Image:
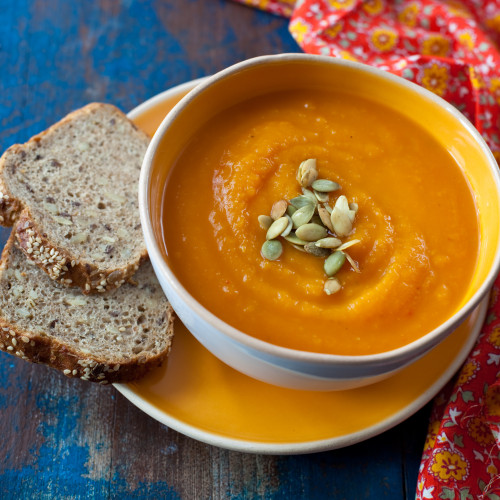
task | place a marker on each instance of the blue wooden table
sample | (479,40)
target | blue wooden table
(65,438)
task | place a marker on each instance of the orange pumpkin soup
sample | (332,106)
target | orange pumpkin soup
(416,223)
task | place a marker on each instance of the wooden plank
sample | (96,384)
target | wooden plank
(65,438)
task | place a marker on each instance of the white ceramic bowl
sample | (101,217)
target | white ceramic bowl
(271,363)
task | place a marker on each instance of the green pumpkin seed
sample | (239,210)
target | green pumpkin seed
(265,221)
(328,208)
(271,249)
(277,227)
(325,185)
(332,285)
(321,197)
(298,247)
(311,232)
(301,201)
(303,215)
(309,194)
(328,243)
(290,210)
(294,239)
(334,263)
(279,209)
(325,218)
(286,232)
(316,219)
(348,244)
(316,251)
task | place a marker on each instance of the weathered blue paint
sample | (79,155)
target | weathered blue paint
(62,438)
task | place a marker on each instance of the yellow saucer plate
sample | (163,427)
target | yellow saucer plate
(201,397)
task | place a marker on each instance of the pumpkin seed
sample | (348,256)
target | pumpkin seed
(334,263)
(290,210)
(276,228)
(294,239)
(307,172)
(302,201)
(348,244)
(354,207)
(311,232)
(316,251)
(328,208)
(309,194)
(271,249)
(325,186)
(316,219)
(321,197)
(286,232)
(303,215)
(352,262)
(325,218)
(328,243)
(298,248)
(341,221)
(265,221)
(279,209)
(351,214)
(332,285)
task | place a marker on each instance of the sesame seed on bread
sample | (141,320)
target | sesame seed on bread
(116,336)
(71,195)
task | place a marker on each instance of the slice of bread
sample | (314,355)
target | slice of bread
(113,337)
(71,194)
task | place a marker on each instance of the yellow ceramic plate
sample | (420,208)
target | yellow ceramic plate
(199,396)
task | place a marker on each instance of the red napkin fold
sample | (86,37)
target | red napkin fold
(452,48)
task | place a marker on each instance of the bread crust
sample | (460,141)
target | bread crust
(42,347)
(64,267)
(84,273)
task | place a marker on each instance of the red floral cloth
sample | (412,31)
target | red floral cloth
(451,47)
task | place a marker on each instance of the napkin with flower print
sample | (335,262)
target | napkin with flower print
(452,48)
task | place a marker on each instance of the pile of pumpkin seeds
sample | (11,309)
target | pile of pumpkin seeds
(310,224)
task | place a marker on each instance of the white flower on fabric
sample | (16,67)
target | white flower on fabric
(454,413)
(478,456)
(493,359)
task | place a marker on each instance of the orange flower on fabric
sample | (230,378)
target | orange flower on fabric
(298,29)
(493,400)
(466,38)
(492,470)
(447,465)
(341,4)
(432,433)
(494,337)
(384,39)
(457,8)
(495,89)
(333,31)
(409,14)
(494,23)
(373,7)
(495,290)
(436,45)
(467,373)
(480,431)
(475,79)
(344,54)
(436,79)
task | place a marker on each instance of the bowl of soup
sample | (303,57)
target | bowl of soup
(317,223)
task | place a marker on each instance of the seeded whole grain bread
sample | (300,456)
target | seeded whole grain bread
(71,195)
(113,337)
